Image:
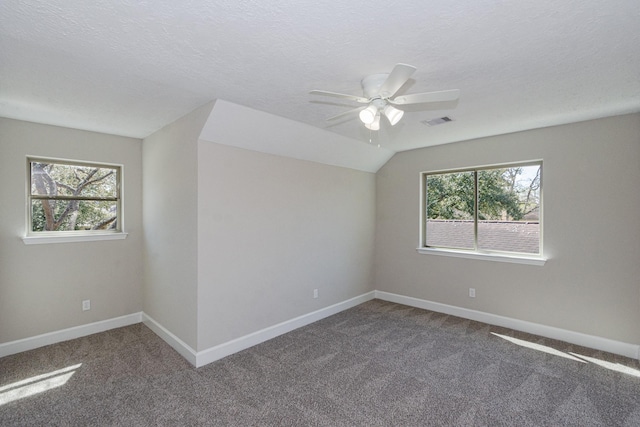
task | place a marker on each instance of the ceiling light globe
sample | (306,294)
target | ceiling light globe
(393,114)
(375,125)
(368,115)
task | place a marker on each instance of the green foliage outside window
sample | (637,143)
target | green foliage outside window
(71,197)
(507,200)
(502,194)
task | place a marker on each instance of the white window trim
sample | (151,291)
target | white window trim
(44,238)
(510,257)
(516,259)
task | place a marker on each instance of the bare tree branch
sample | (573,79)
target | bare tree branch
(103,225)
(86,183)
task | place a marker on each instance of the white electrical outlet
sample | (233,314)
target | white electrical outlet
(472,292)
(315,293)
(86,305)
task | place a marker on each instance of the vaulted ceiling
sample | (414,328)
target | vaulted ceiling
(129,67)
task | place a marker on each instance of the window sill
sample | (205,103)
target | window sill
(56,238)
(530,260)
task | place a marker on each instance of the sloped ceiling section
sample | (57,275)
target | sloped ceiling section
(243,127)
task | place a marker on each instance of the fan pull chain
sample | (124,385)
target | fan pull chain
(371,138)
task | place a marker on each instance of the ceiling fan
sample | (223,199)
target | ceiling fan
(378,91)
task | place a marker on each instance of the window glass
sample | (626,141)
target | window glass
(484,209)
(508,209)
(73,197)
(450,210)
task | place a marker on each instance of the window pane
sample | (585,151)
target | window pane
(450,210)
(67,188)
(509,209)
(68,215)
(54,179)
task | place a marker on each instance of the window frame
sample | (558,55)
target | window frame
(477,253)
(64,236)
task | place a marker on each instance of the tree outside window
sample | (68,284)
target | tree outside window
(73,196)
(488,209)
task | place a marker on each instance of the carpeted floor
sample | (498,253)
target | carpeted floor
(378,364)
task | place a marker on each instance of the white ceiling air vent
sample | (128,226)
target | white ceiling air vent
(437,121)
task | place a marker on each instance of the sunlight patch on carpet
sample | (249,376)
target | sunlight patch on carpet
(539,347)
(36,384)
(572,356)
(611,366)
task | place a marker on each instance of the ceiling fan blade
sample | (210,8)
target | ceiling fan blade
(421,98)
(397,78)
(346,113)
(340,95)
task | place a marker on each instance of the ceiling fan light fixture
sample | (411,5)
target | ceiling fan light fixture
(393,114)
(375,125)
(379,92)
(368,115)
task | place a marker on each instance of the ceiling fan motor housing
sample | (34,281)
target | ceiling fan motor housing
(370,116)
(371,86)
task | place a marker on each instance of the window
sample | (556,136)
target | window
(489,210)
(73,198)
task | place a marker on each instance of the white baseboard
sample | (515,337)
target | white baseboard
(18,346)
(225,349)
(195,358)
(178,345)
(212,354)
(597,343)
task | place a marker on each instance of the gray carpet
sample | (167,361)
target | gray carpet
(378,364)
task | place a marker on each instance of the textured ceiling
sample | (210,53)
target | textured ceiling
(129,67)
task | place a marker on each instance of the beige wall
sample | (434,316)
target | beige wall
(270,230)
(42,286)
(170,195)
(591,230)
(235,240)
